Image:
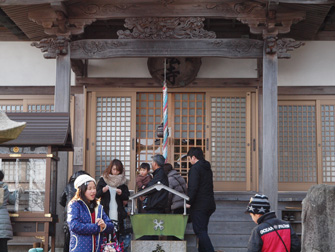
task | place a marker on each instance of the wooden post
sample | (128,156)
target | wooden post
(269,173)
(62,104)
(63,83)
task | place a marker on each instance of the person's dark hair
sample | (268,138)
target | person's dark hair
(77,174)
(167,168)
(197,152)
(80,194)
(117,163)
(145,166)
(2,175)
(159,160)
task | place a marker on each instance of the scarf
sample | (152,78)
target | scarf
(115,180)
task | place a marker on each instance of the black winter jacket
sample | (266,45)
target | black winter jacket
(158,200)
(264,238)
(105,199)
(200,187)
(68,193)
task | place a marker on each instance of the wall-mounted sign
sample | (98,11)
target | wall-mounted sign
(179,71)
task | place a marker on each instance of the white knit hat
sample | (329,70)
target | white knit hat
(82,179)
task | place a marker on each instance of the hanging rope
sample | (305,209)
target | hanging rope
(165,115)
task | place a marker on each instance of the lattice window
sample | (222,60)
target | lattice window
(189,127)
(148,117)
(10,169)
(41,108)
(297,159)
(228,138)
(29,174)
(328,143)
(113,133)
(11,108)
(38,104)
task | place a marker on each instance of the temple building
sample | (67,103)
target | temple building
(251,82)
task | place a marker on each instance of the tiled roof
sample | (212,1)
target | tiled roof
(43,129)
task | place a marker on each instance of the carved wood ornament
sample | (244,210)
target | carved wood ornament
(235,10)
(165,28)
(239,46)
(174,21)
(56,22)
(272,29)
(92,47)
(287,44)
(281,46)
(109,48)
(52,47)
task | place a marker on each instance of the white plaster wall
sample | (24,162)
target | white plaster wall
(137,68)
(118,68)
(24,65)
(228,68)
(311,65)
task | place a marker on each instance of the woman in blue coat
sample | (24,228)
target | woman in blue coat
(86,217)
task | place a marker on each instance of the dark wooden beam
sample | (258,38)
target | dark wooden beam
(325,35)
(154,8)
(28,2)
(35,90)
(305,1)
(78,67)
(229,48)
(6,22)
(162,3)
(306,90)
(148,82)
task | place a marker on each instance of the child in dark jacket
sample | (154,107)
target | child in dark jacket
(270,234)
(142,180)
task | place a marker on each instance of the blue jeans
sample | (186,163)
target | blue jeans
(200,219)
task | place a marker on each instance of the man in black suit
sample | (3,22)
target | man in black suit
(201,193)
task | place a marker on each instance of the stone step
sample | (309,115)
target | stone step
(229,227)
(218,249)
(220,227)
(220,242)
(231,204)
(230,215)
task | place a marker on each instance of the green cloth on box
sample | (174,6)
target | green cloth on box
(165,224)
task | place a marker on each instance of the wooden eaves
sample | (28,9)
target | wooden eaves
(43,129)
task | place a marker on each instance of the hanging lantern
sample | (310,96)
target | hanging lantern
(9,130)
(160,131)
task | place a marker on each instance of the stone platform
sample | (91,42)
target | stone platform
(158,246)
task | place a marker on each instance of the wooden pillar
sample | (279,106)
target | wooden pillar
(63,83)
(269,173)
(62,104)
